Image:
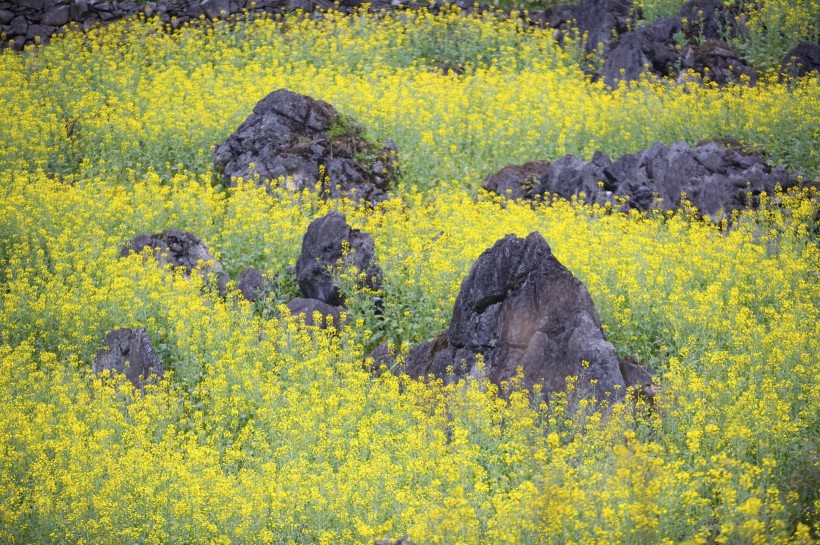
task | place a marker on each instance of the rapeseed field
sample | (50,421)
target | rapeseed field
(265,431)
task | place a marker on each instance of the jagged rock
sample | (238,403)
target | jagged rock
(715,61)
(129,351)
(322,249)
(515,180)
(802,59)
(180,249)
(651,48)
(717,179)
(252,284)
(600,20)
(290,137)
(306,308)
(520,307)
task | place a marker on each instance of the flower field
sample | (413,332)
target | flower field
(265,431)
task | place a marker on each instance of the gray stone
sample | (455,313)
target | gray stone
(57,16)
(322,250)
(306,308)
(18,26)
(130,352)
(39,31)
(179,249)
(520,307)
(290,137)
(217,9)
(6,17)
(252,284)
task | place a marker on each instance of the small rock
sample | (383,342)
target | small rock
(715,61)
(180,249)
(803,59)
(252,284)
(39,31)
(6,17)
(18,26)
(129,351)
(331,315)
(217,9)
(322,249)
(515,181)
(57,16)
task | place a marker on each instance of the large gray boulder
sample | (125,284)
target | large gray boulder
(179,249)
(520,307)
(323,249)
(129,351)
(296,141)
(716,179)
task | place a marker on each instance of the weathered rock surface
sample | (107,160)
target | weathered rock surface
(802,59)
(179,249)
(716,179)
(291,136)
(323,248)
(306,308)
(716,62)
(514,180)
(129,351)
(520,307)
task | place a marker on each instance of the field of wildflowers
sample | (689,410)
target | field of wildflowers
(266,432)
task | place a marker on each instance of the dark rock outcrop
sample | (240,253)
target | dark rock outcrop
(323,247)
(302,141)
(306,308)
(704,20)
(651,48)
(716,62)
(802,59)
(129,351)
(520,307)
(601,21)
(179,249)
(716,179)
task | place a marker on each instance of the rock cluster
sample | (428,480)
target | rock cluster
(129,351)
(179,249)
(520,307)
(302,141)
(716,179)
